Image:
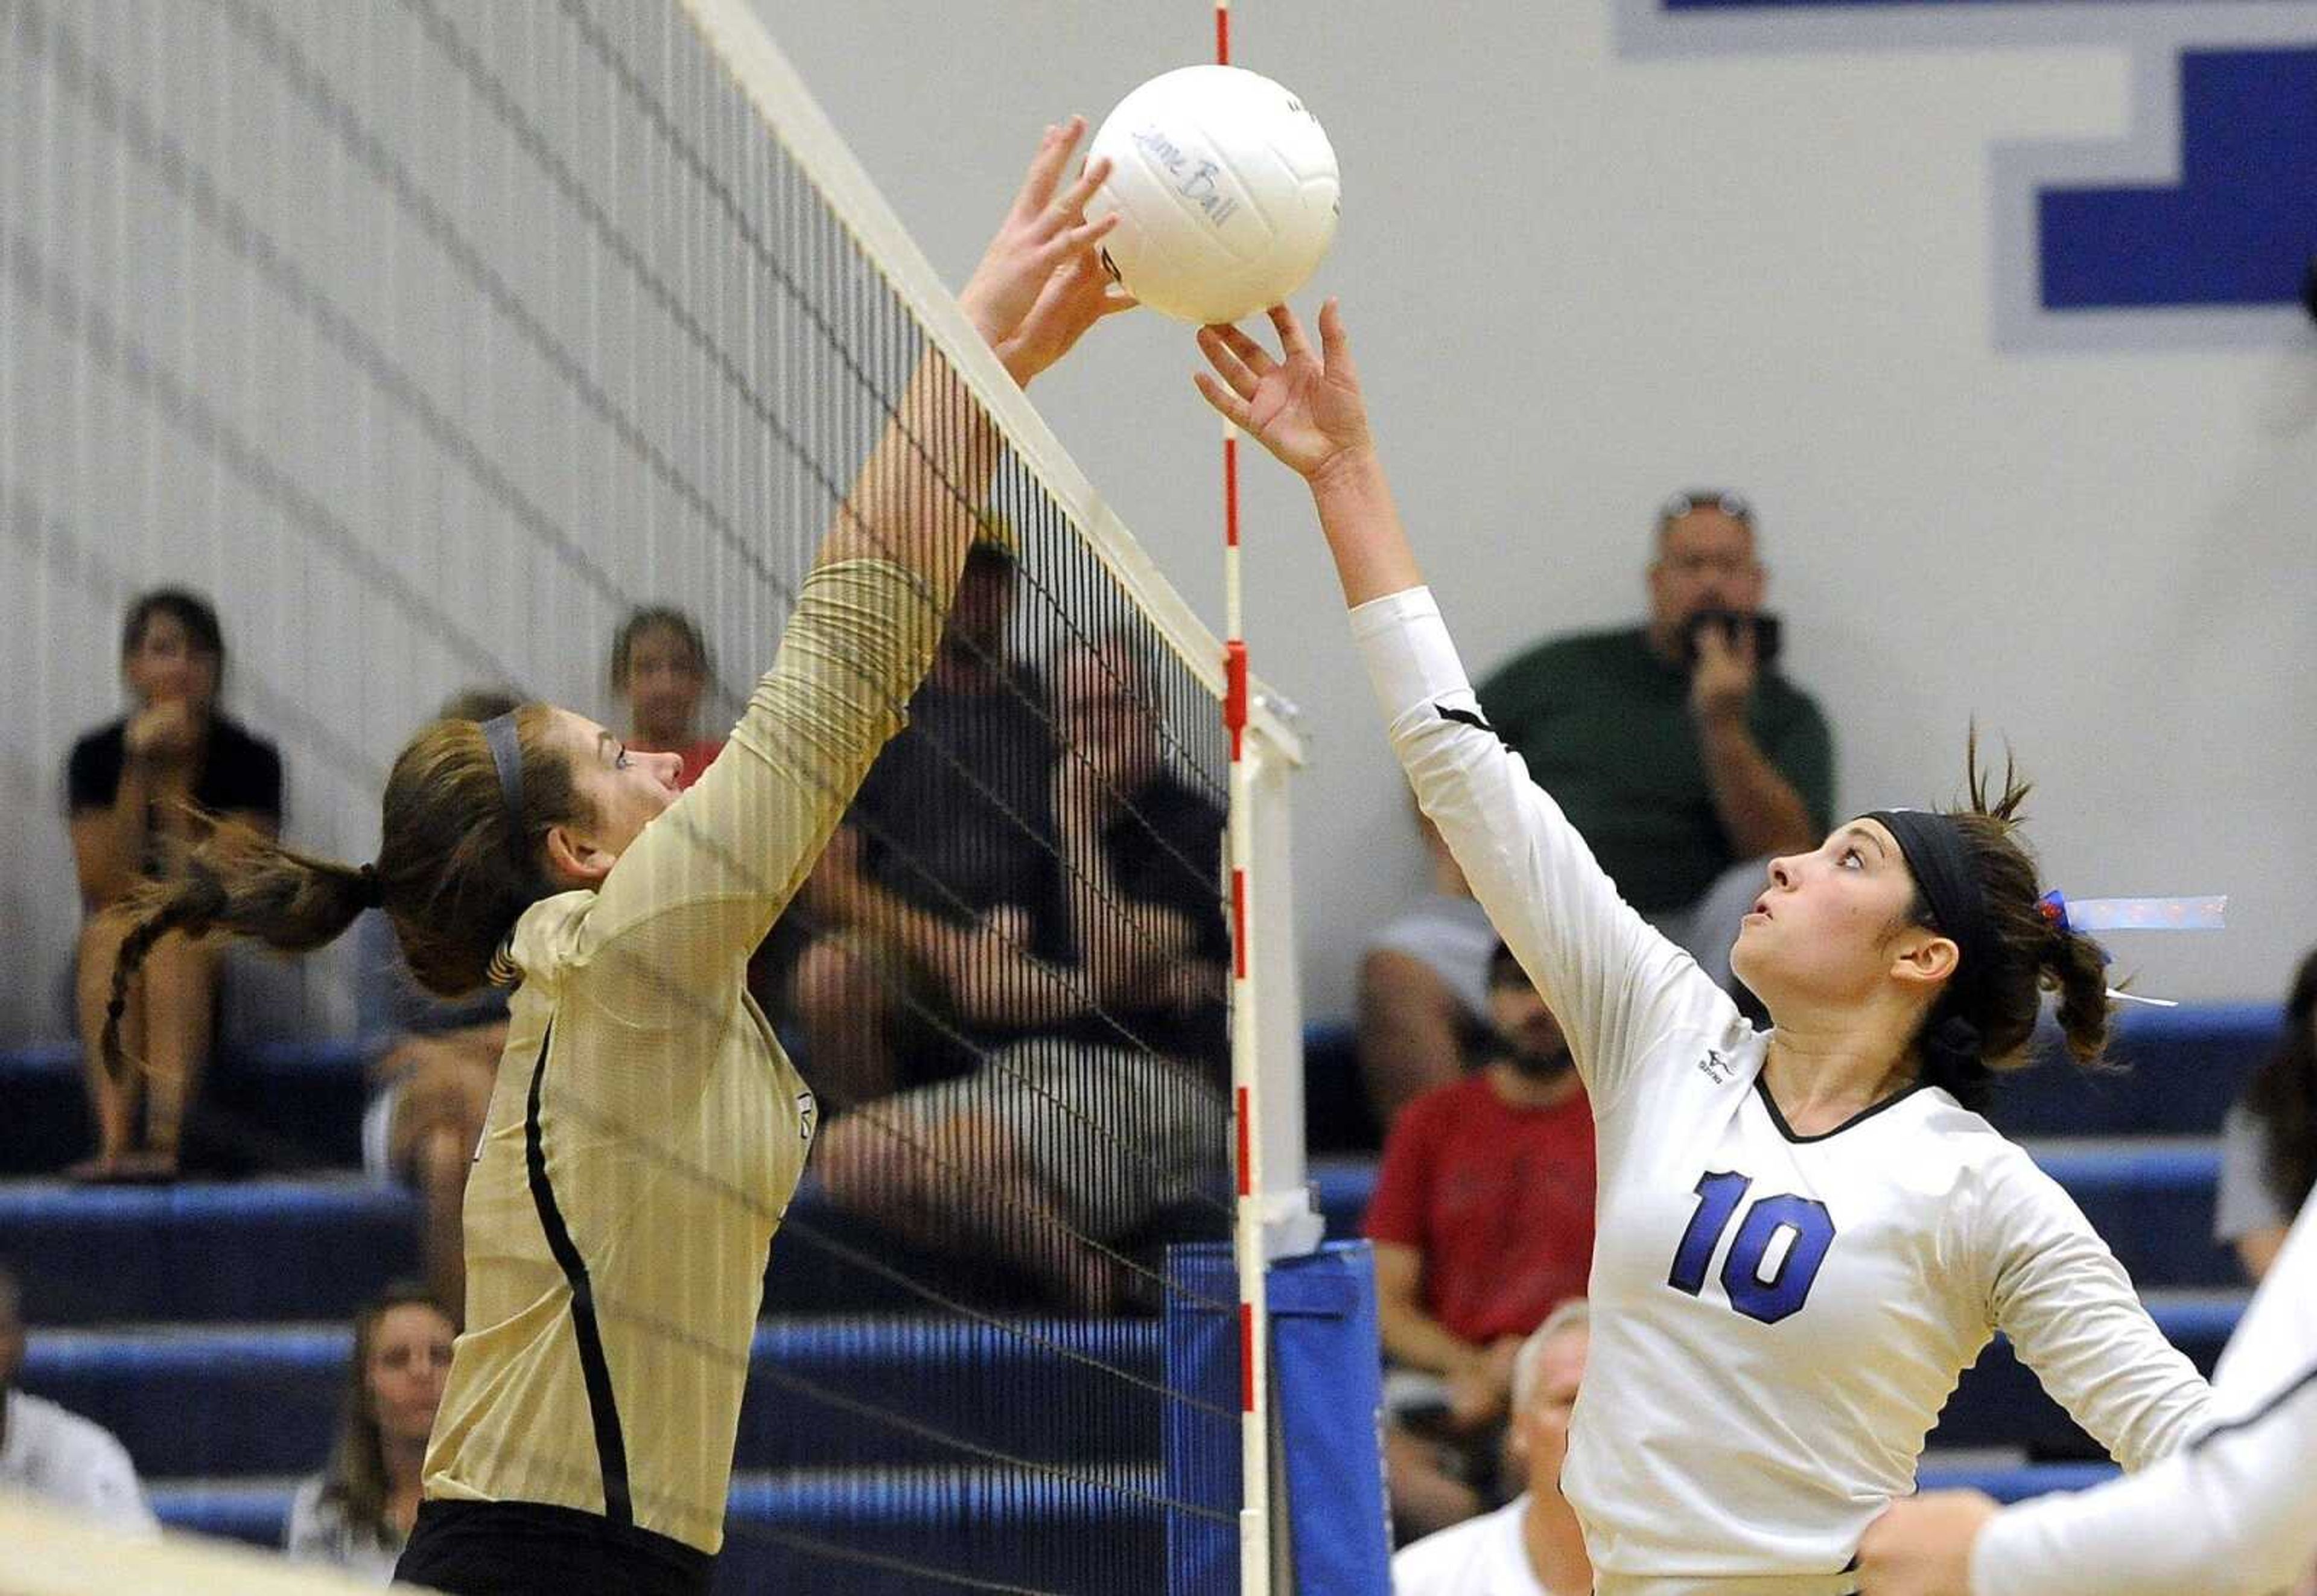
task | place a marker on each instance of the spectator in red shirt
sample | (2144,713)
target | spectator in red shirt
(1483,1224)
(659,670)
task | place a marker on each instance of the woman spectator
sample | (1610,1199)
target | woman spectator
(357,1512)
(2269,1146)
(660,671)
(141,792)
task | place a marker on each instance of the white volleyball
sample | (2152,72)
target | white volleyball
(1227,191)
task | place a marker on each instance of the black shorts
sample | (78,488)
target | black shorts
(528,1548)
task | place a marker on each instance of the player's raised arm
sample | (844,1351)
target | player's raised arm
(1612,980)
(709,882)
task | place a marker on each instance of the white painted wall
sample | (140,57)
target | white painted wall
(1579,274)
(1588,254)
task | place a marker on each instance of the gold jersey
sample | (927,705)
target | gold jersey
(647,1131)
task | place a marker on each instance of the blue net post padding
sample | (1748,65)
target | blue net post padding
(1328,1386)
(1203,1455)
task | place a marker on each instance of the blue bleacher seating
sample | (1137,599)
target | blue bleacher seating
(317,1248)
(212,1338)
(243,1400)
(277,1105)
(2177,1072)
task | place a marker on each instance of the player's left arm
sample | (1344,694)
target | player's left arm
(2075,1319)
(2233,1513)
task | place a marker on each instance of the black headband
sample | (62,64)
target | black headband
(506,753)
(1935,853)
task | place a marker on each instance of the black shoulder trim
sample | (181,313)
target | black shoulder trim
(1762,1086)
(1465,717)
(611,1445)
(2306,1378)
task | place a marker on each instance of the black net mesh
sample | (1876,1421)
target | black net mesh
(433,342)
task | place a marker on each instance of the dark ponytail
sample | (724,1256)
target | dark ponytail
(2028,952)
(454,872)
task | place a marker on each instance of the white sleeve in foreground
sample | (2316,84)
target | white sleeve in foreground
(1611,980)
(2233,1512)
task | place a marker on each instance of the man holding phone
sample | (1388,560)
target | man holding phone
(1677,748)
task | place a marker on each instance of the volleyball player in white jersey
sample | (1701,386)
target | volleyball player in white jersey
(2231,1513)
(1804,1234)
(647,1130)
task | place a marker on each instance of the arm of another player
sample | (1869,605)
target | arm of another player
(1605,973)
(2233,1512)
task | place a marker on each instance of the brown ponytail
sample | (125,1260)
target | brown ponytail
(454,874)
(2029,953)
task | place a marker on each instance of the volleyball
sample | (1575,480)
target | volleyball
(1227,192)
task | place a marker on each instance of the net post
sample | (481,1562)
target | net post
(1249,1256)
(1274,1215)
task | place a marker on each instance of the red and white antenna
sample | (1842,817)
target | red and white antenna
(1247,1243)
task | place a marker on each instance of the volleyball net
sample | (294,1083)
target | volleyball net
(462,352)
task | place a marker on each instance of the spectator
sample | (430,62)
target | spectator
(50,1453)
(1482,1223)
(1424,988)
(357,1512)
(2269,1145)
(1101,1000)
(1683,758)
(1533,1546)
(430,1087)
(660,670)
(141,792)
(953,822)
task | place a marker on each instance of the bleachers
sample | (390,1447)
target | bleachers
(205,1323)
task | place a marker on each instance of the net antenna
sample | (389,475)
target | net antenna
(1273,1215)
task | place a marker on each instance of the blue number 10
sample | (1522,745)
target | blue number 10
(1719,1193)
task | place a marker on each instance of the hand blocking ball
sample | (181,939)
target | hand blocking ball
(1227,191)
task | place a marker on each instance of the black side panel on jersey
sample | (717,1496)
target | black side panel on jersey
(611,1446)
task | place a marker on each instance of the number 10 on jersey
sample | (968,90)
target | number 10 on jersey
(1803,1221)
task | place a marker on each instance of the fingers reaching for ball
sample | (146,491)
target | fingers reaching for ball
(1040,283)
(1304,408)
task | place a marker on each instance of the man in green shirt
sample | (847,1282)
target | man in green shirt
(1683,778)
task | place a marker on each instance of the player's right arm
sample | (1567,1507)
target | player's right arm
(1609,979)
(699,888)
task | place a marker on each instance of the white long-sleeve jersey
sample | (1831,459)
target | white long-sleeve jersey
(2231,1513)
(1777,1319)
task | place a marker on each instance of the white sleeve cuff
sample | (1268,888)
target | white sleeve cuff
(1411,658)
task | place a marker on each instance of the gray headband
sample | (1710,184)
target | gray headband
(506,754)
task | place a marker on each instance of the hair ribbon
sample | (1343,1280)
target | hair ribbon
(2085,915)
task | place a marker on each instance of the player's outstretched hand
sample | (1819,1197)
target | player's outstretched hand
(1040,283)
(1922,1547)
(1303,406)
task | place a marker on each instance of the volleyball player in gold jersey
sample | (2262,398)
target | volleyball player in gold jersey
(647,1131)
